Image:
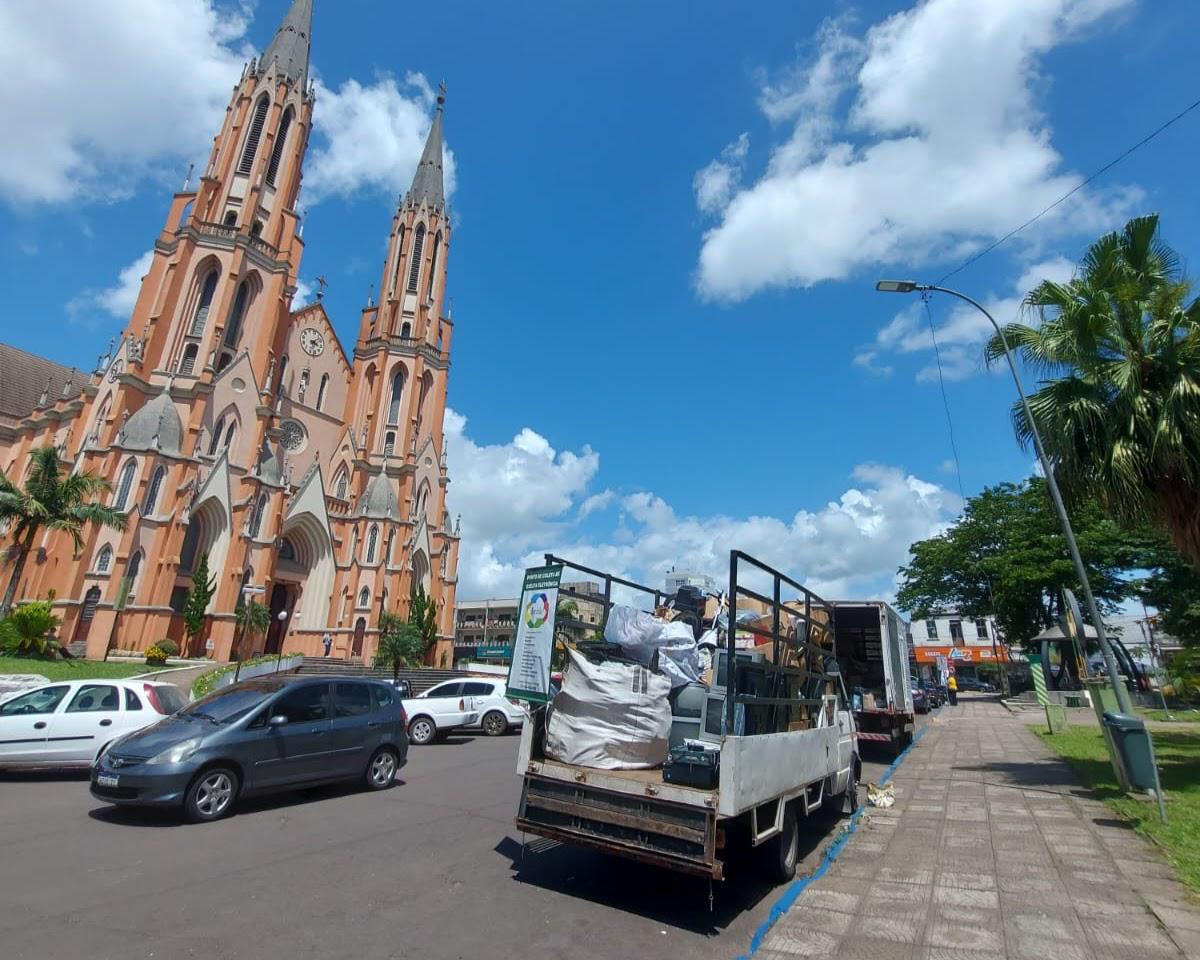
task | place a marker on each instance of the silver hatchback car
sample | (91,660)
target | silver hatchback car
(274,733)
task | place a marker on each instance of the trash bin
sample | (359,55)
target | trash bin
(1132,740)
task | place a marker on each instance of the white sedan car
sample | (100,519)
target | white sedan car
(496,714)
(66,724)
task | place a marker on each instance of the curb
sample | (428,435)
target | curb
(797,887)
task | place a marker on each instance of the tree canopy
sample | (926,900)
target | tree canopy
(1006,555)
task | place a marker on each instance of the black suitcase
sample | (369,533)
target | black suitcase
(693,767)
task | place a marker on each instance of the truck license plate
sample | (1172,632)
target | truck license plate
(106,781)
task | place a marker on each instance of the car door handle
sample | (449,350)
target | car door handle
(106,723)
(40,725)
(317,732)
(372,723)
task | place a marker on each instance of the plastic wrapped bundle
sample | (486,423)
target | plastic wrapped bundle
(612,716)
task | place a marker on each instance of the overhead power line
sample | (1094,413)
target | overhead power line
(1066,196)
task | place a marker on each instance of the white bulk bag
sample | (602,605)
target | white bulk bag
(635,631)
(678,655)
(612,716)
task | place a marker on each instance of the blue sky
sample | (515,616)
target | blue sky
(668,221)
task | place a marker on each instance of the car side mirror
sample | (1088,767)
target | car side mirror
(278,721)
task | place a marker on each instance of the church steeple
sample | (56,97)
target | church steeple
(290,45)
(427,181)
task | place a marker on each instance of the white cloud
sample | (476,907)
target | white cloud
(98,95)
(523,498)
(370,137)
(962,334)
(714,185)
(303,295)
(117,300)
(940,148)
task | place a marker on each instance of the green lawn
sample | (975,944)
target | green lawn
(1178,754)
(1183,715)
(73,669)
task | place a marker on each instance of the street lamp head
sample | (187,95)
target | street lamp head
(895,286)
(282,615)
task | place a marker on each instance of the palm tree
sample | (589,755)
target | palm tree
(400,643)
(252,618)
(566,609)
(1119,408)
(54,501)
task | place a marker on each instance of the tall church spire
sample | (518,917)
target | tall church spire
(427,181)
(291,42)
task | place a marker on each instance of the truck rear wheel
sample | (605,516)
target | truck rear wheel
(781,853)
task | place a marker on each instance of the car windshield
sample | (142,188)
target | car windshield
(232,703)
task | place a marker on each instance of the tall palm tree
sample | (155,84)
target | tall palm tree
(1118,348)
(56,499)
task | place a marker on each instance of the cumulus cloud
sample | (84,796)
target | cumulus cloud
(920,140)
(714,185)
(116,301)
(961,336)
(523,498)
(98,96)
(370,137)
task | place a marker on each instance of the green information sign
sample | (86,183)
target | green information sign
(494,653)
(529,674)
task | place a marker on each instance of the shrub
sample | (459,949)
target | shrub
(156,655)
(169,647)
(29,630)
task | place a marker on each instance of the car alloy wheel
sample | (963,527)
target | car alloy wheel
(214,794)
(494,723)
(383,769)
(422,731)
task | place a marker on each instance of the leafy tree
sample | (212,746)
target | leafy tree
(253,618)
(1174,588)
(1119,411)
(29,629)
(198,598)
(54,498)
(422,613)
(401,643)
(1006,555)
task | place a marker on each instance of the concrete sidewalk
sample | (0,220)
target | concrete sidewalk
(993,849)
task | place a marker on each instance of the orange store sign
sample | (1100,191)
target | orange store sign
(928,653)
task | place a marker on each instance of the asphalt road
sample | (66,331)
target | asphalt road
(432,868)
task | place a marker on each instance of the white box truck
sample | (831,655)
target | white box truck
(778,716)
(874,653)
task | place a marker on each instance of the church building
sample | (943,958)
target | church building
(231,425)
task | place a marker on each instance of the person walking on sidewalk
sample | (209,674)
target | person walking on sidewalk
(952,686)
(327,642)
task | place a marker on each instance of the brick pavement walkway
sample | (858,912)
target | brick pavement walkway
(993,849)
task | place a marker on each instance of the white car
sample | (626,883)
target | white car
(437,711)
(496,714)
(66,724)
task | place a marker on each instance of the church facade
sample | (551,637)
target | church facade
(313,478)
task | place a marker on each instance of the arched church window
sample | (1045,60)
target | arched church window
(414,270)
(321,391)
(104,559)
(207,288)
(364,597)
(124,485)
(433,258)
(256,517)
(406,330)
(283,365)
(191,543)
(187,363)
(255,134)
(387,551)
(152,491)
(215,443)
(230,218)
(397,395)
(233,329)
(229,434)
(372,542)
(398,263)
(287,550)
(132,568)
(389,443)
(341,484)
(277,150)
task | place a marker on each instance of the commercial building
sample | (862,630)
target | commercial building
(686,578)
(965,642)
(235,428)
(484,629)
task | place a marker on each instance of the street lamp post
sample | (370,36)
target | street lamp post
(911,286)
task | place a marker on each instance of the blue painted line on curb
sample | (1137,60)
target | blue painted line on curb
(797,887)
